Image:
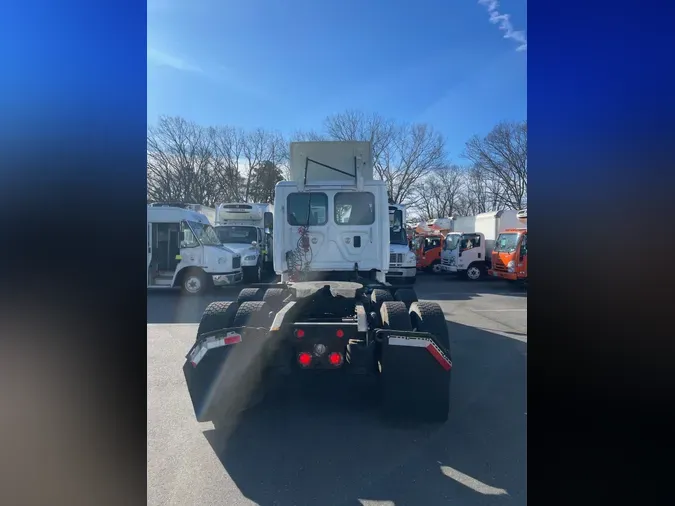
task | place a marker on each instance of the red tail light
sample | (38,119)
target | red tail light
(304,359)
(299,333)
(340,333)
(335,358)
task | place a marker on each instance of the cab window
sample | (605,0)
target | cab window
(431,243)
(469,241)
(354,208)
(306,209)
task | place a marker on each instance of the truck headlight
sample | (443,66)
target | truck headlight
(249,258)
(222,260)
(410,258)
(511,266)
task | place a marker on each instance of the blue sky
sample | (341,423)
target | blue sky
(286,65)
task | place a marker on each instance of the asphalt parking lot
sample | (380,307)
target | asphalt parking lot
(326,445)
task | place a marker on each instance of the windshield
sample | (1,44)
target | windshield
(451,242)
(231,234)
(397,233)
(204,233)
(506,243)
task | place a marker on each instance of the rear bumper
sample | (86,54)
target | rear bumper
(226,278)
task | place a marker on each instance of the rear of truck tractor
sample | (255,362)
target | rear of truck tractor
(322,327)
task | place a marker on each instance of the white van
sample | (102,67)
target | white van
(184,252)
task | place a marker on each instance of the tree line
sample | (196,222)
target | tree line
(209,165)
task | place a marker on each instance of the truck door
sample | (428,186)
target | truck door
(522,259)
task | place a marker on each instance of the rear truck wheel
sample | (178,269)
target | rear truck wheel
(378,296)
(436,267)
(203,380)
(250,295)
(194,282)
(275,297)
(427,316)
(406,295)
(415,371)
(474,272)
(253,355)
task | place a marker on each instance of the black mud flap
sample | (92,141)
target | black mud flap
(215,373)
(415,375)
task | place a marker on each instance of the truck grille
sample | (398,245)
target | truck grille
(396,258)
(499,266)
(236,262)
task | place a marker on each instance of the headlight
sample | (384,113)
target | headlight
(411,258)
(511,266)
(249,258)
(222,260)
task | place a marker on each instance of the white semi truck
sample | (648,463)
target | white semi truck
(402,260)
(469,251)
(333,312)
(247,229)
(185,252)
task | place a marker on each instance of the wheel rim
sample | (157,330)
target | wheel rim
(193,284)
(437,268)
(473,273)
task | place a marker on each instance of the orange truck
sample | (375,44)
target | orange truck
(509,256)
(429,238)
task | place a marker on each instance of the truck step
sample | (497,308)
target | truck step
(163,281)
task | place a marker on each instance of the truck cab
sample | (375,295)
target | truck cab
(509,256)
(184,252)
(247,229)
(402,260)
(332,218)
(429,244)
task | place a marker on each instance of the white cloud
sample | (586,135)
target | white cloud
(161,59)
(503,21)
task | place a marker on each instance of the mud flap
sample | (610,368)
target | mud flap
(214,371)
(416,374)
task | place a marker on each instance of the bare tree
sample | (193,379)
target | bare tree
(500,161)
(261,147)
(179,156)
(402,154)
(442,193)
(228,149)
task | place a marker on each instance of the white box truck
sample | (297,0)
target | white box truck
(184,252)
(247,229)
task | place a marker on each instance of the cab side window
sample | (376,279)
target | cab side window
(187,238)
(523,247)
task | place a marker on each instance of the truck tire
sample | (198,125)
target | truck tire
(428,317)
(194,282)
(216,316)
(252,314)
(249,358)
(475,272)
(436,267)
(406,295)
(250,294)
(378,296)
(205,383)
(394,315)
(275,297)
